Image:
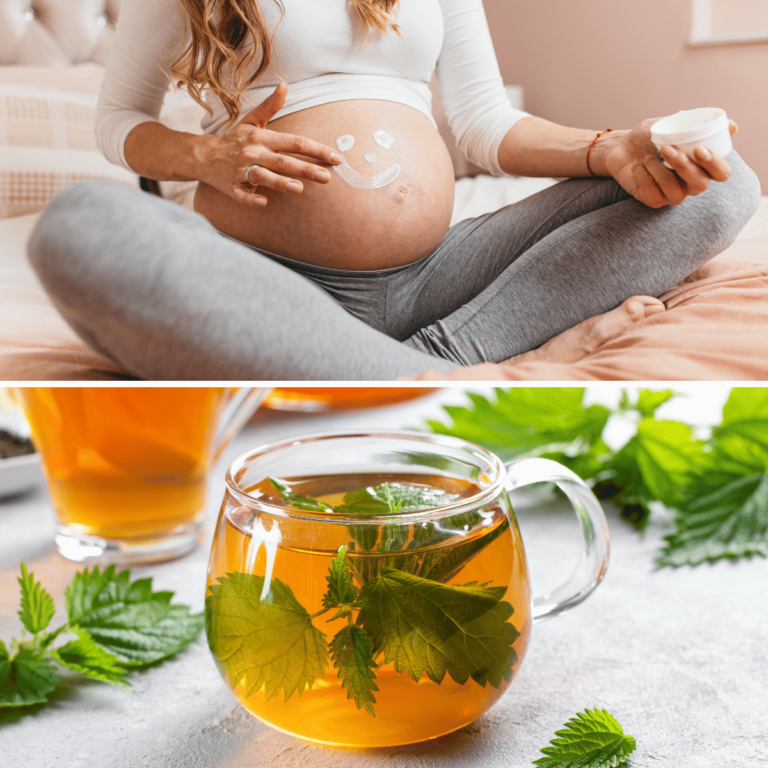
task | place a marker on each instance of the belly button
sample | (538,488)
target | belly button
(402,193)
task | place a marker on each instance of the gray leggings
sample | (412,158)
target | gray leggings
(160,291)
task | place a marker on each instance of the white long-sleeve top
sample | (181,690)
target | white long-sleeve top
(319,51)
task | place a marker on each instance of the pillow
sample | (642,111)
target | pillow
(47,141)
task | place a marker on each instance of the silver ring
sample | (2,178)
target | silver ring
(247,175)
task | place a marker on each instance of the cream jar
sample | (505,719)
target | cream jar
(688,129)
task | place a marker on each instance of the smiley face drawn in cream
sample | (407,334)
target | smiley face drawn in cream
(357,180)
(383,139)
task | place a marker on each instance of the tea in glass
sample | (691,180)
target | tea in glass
(127,467)
(432,628)
(370,589)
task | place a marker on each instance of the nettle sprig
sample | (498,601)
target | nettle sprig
(116,626)
(715,481)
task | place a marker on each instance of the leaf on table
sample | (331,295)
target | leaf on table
(423,626)
(648,401)
(341,589)
(138,626)
(745,414)
(298,501)
(658,462)
(83,655)
(352,654)
(523,419)
(735,456)
(270,643)
(26,679)
(722,521)
(37,606)
(592,739)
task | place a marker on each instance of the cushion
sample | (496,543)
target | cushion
(47,141)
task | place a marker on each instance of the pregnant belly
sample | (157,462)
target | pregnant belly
(341,226)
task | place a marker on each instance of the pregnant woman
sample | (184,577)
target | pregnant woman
(321,247)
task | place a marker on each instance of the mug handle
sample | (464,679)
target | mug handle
(593,560)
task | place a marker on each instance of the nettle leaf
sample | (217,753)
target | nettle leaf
(26,679)
(723,521)
(665,457)
(138,626)
(443,563)
(523,419)
(745,415)
(592,739)
(297,500)
(341,588)
(271,643)
(83,655)
(37,608)
(649,400)
(352,654)
(423,626)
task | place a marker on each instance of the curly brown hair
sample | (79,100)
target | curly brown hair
(219,30)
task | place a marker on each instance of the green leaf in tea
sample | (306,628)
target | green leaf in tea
(524,419)
(423,626)
(722,521)
(37,608)
(341,589)
(84,656)
(297,500)
(25,679)
(592,739)
(352,654)
(270,643)
(127,619)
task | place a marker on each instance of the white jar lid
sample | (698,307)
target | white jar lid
(689,125)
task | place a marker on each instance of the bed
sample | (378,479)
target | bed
(51,63)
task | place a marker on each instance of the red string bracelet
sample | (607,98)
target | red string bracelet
(589,151)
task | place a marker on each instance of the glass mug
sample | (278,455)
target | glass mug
(127,467)
(387,600)
(323,399)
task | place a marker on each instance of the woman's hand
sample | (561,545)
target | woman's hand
(225,160)
(633,160)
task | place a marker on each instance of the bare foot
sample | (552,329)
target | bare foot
(576,342)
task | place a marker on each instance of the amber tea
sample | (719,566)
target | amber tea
(124,462)
(387,628)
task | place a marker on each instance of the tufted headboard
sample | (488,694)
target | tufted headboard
(56,33)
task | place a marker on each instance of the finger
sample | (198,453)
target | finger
(268,108)
(712,163)
(649,192)
(672,187)
(290,166)
(263,177)
(247,195)
(733,128)
(300,145)
(695,177)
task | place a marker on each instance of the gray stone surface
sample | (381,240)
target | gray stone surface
(680,657)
